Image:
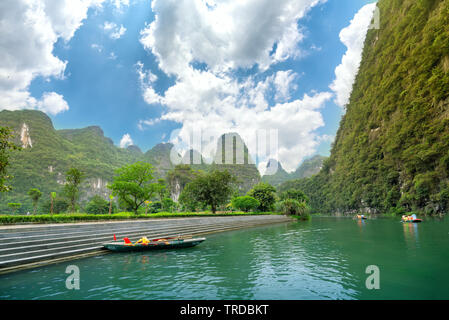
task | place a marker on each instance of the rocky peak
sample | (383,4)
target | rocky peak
(25,136)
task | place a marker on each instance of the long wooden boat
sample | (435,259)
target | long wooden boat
(154,244)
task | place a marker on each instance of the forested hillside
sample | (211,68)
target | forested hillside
(391,152)
(308,168)
(48,153)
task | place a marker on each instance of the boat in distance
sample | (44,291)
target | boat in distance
(154,244)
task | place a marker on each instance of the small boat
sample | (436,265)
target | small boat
(361,216)
(411,218)
(144,244)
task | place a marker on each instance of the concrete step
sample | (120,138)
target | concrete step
(10,235)
(74,241)
(44,244)
(46,239)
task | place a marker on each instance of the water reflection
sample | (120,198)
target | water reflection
(411,234)
(321,259)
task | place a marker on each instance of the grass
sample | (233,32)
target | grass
(84,217)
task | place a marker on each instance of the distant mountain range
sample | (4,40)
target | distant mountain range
(48,153)
(308,168)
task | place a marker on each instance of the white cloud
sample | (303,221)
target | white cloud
(353,37)
(97,47)
(52,103)
(114,31)
(126,141)
(146,80)
(120,3)
(150,122)
(30,28)
(226,36)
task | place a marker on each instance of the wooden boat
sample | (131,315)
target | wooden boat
(153,244)
(361,216)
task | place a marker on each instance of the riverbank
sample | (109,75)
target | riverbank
(84,217)
(28,246)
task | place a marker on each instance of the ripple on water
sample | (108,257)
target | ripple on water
(323,259)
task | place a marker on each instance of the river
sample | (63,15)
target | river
(325,258)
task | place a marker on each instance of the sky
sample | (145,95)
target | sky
(158,71)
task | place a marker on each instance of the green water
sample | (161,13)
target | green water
(324,258)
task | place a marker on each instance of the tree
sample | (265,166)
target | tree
(111,197)
(14,207)
(5,147)
(265,194)
(294,194)
(98,205)
(74,177)
(245,203)
(213,188)
(188,200)
(133,184)
(35,194)
(55,204)
(293,207)
(161,189)
(52,197)
(168,204)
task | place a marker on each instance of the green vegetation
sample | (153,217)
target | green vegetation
(292,207)
(14,206)
(82,217)
(245,203)
(391,152)
(35,195)
(98,205)
(294,202)
(6,146)
(308,168)
(133,184)
(72,186)
(265,194)
(51,153)
(209,189)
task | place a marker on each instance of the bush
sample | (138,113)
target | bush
(294,194)
(154,207)
(98,205)
(168,205)
(293,207)
(60,205)
(265,194)
(245,203)
(81,217)
(14,207)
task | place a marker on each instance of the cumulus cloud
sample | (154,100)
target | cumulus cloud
(126,141)
(33,27)
(146,80)
(353,37)
(113,30)
(52,103)
(226,36)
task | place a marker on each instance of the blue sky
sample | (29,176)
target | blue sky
(101,86)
